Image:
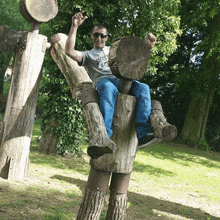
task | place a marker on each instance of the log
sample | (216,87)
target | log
(124,136)
(20,110)
(38,11)
(128,57)
(8,38)
(162,129)
(99,143)
(76,76)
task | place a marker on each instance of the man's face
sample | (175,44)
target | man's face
(99,37)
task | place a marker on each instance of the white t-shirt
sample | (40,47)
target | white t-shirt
(96,64)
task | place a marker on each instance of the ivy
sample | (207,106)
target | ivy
(55,101)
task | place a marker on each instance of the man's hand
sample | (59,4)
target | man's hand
(151,40)
(78,19)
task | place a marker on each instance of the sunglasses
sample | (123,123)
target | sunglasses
(96,35)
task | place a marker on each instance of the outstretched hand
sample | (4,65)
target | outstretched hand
(150,40)
(78,19)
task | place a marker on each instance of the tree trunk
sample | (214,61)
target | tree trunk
(21,105)
(48,143)
(196,119)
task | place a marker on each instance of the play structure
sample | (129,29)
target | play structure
(111,159)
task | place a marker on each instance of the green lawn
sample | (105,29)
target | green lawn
(169,181)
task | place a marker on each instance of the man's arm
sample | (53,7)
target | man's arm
(77,20)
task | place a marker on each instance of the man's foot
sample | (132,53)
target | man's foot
(149,137)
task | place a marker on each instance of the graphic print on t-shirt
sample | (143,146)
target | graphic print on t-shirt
(102,61)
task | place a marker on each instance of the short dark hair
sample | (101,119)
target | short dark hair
(101,25)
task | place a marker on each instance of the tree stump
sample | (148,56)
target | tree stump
(48,143)
(21,105)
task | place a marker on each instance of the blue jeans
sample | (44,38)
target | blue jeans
(108,92)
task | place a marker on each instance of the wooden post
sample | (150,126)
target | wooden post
(124,136)
(20,110)
(21,105)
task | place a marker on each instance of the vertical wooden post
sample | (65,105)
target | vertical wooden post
(21,105)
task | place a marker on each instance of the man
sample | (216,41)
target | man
(96,63)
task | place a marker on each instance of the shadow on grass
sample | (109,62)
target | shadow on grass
(38,203)
(42,203)
(143,168)
(147,207)
(174,151)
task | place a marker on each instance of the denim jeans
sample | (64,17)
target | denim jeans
(108,92)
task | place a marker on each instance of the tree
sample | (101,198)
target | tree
(201,18)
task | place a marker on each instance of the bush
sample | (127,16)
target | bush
(55,101)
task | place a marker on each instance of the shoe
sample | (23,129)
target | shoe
(147,138)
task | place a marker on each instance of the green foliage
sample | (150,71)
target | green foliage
(55,101)
(203,145)
(10,15)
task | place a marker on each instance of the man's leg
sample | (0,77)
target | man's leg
(94,197)
(142,93)
(108,92)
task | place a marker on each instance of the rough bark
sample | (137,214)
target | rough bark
(92,204)
(117,207)
(124,136)
(48,143)
(128,57)
(76,76)
(21,105)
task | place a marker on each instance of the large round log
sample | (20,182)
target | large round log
(124,136)
(38,11)
(128,57)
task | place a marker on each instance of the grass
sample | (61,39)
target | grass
(169,181)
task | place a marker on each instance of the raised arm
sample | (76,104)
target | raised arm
(77,20)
